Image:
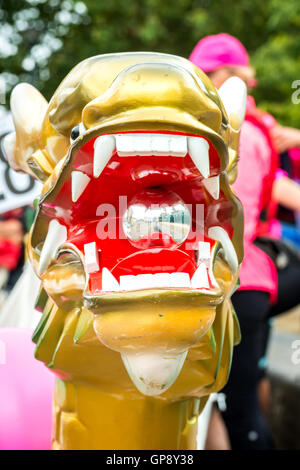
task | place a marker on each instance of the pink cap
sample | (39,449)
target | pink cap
(219,50)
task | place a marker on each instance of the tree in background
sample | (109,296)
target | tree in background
(40,41)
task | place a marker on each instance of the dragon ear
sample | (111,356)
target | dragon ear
(233,94)
(28,109)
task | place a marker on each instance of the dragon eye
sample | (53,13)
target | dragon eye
(75,132)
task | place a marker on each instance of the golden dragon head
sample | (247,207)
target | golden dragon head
(138,234)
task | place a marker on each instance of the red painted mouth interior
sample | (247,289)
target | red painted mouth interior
(128,176)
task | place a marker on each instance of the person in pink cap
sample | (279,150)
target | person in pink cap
(265,289)
(223,55)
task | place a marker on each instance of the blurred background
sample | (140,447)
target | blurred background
(40,41)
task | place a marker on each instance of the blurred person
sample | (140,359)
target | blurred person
(14,224)
(11,249)
(266,289)
(285,138)
(287,143)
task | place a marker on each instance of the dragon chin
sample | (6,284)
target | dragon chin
(153,373)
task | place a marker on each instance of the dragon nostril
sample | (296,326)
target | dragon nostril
(157,217)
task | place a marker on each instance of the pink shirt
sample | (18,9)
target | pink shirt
(258,272)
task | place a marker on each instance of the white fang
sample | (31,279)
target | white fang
(219,234)
(109,282)
(213,186)
(79,183)
(199,151)
(104,147)
(200,278)
(56,236)
(91,258)
(204,253)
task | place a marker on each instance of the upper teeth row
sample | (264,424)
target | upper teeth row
(148,144)
(128,145)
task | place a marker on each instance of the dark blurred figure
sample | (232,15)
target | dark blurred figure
(12,229)
(270,272)
(14,224)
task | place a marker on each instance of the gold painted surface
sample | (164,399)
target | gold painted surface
(123,423)
(96,404)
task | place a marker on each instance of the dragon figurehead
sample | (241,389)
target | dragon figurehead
(138,235)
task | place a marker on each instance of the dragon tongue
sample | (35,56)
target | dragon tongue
(153,373)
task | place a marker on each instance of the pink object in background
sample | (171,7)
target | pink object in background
(26,387)
(258,271)
(219,50)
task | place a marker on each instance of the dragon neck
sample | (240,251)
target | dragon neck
(89,418)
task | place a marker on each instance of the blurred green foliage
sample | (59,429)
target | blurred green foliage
(45,39)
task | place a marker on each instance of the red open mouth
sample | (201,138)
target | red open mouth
(145,210)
